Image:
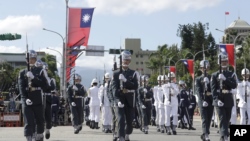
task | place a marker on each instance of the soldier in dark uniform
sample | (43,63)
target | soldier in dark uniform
(124,85)
(205,100)
(30,85)
(47,97)
(184,104)
(145,99)
(192,101)
(221,86)
(54,107)
(75,94)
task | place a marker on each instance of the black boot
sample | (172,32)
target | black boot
(212,123)
(88,123)
(96,125)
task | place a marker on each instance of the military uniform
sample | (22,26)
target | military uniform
(125,97)
(77,109)
(54,109)
(226,97)
(145,102)
(206,112)
(34,112)
(192,101)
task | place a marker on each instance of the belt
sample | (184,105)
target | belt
(148,99)
(225,91)
(77,96)
(208,94)
(33,88)
(192,103)
(128,91)
(53,104)
(46,93)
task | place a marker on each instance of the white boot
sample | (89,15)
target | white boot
(127,137)
(29,138)
(206,137)
(225,138)
(39,137)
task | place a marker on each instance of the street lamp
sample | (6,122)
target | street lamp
(61,71)
(63,79)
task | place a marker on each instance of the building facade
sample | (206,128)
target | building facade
(139,56)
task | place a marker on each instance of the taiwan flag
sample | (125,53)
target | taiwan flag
(170,68)
(229,50)
(189,63)
(79,23)
(70,60)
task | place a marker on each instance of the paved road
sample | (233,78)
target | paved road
(65,133)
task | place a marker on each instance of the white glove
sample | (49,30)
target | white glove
(206,80)
(204,104)
(182,99)
(145,90)
(222,77)
(143,107)
(168,102)
(244,104)
(30,75)
(75,88)
(220,104)
(73,104)
(101,104)
(29,102)
(121,77)
(120,105)
(190,107)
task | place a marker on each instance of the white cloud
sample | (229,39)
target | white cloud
(11,49)
(21,24)
(119,7)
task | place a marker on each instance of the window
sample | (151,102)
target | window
(141,62)
(136,56)
(141,56)
(137,63)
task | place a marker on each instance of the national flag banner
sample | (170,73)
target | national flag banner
(189,63)
(229,50)
(171,68)
(79,23)
(70,59)
(226,13)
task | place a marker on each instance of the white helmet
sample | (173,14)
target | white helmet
(107,75)
(145,77)
(224,57)
(204,62)
(77,76)
(164,77)
(159,78)
(244,71)
(171,74)
(94,81)
(126,55)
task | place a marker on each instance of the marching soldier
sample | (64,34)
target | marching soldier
(184,105)
(54,108)
(75,94)
(161,98)
(171,91)
(124,84)
(205,102)
(47,97)
(156,102)
(31,82)
(243,92)
(192,101)
(94,105)
(145,99)
(222,82)
(105,104)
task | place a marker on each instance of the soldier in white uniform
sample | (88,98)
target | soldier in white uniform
(243,93)
(94,105)
(105,104)
(234,112)
(171,91)
(161,99)
(155,90)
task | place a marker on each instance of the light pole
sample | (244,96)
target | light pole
(63,79)
(61,72)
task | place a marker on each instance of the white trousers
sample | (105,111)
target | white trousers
(106,115)
(94,112)
(156,115)
(171,110)
(233,115)
(161,116)
(243,116)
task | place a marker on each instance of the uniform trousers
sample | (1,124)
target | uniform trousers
(171,110)
(94,112)
(106,115)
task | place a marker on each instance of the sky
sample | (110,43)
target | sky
(155,22)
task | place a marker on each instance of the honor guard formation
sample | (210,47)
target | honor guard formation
(126,101)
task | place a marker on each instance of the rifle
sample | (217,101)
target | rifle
(169,95)
(28,64)
(205,85)
(144,86)
(121,82)
(221,84)
(74,92)
(163,96)
(103,89)
(115,65)
(245,82)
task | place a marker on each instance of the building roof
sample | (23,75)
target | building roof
(239,24)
